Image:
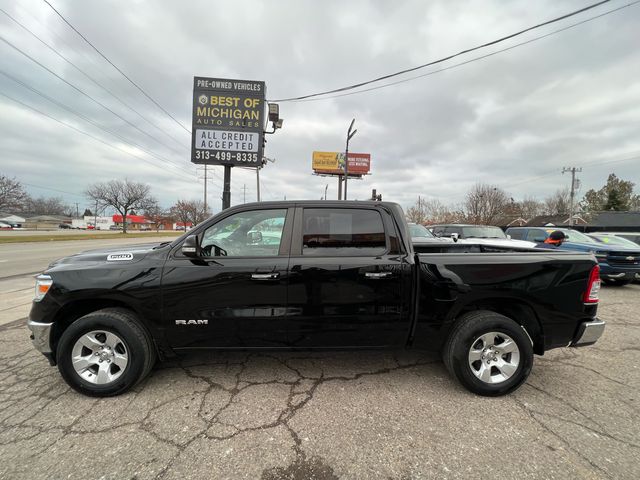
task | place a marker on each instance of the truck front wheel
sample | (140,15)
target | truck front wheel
(488,353)
(105,353)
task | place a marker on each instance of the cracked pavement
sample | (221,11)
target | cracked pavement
(330,415)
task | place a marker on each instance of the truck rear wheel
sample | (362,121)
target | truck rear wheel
(105,353)
(488,353)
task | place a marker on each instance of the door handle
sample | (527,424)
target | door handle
(378,275)
(265,276)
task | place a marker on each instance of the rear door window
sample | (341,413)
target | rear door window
(343,232)
(516,234)
(536,235)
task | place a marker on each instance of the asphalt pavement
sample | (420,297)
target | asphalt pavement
(352,415)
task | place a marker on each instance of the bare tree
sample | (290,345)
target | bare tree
(155,213)
(181,210)
(558,203)
(529,208)
(12,194)
(45,206)
(122,195)
(190,211)
(431,212)
(485,203)
(417,212)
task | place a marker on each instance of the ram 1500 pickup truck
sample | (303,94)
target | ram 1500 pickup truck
(311,275)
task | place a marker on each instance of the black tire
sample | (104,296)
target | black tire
(136,342)
(612,282)
(462,337)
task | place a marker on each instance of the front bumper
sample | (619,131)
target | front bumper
(588,333)
(41,336)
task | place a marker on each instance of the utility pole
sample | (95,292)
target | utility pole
(226,188)
(95,216)
(205,189)
(258,183)
(77,212)
(573,171)
(340,179)
(325,190)
(346,155)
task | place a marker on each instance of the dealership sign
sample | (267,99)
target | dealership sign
(228,121)
(332,163)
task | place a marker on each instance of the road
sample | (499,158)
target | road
(20,261)
(330,415)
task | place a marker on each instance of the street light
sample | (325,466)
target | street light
(350,134)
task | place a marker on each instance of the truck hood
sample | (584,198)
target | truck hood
(120,255)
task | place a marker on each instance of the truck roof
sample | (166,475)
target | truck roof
(324,203)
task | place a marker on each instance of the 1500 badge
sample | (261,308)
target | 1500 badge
(192,322)
(119,257)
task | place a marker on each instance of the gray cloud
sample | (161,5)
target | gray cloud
(569,99)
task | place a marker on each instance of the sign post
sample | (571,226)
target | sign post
(227,125)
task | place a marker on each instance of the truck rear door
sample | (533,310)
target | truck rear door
(347,279)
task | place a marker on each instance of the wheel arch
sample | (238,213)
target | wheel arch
(516,310)
(76,309)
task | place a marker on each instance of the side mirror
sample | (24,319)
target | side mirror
(508,237)
(254,237)
(455,236)
(190,247)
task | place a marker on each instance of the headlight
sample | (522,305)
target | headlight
(43,284)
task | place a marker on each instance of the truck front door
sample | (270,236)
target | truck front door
(347,278)
(235,293)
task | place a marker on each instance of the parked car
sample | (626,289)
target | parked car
(342,275)
(64,226)
(478,234)
(619,265)
(632,236)
(5,226)
(421,234)
(114,227)
(608,239)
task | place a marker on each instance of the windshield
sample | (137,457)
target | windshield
(482,232)
(612,240)
(575,236)
(419,231)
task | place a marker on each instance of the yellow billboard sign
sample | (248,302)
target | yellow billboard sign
(326,161)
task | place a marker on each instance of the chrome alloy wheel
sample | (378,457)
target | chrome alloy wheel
(99,357)
(494,357)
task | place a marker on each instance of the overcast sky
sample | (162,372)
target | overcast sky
(571,99)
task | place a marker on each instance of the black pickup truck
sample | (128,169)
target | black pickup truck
(311,275)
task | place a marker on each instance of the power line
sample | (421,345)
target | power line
(90,78)
(83,132)
(89,120)
(456,65)
(82,92)
(52,189)
(118,69)
(443,59)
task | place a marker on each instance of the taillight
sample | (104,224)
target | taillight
(593,287)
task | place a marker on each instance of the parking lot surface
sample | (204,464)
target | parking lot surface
(330,415)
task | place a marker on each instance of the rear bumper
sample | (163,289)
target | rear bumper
(588,333)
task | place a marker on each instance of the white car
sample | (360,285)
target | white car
(479,235)
(421,234)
